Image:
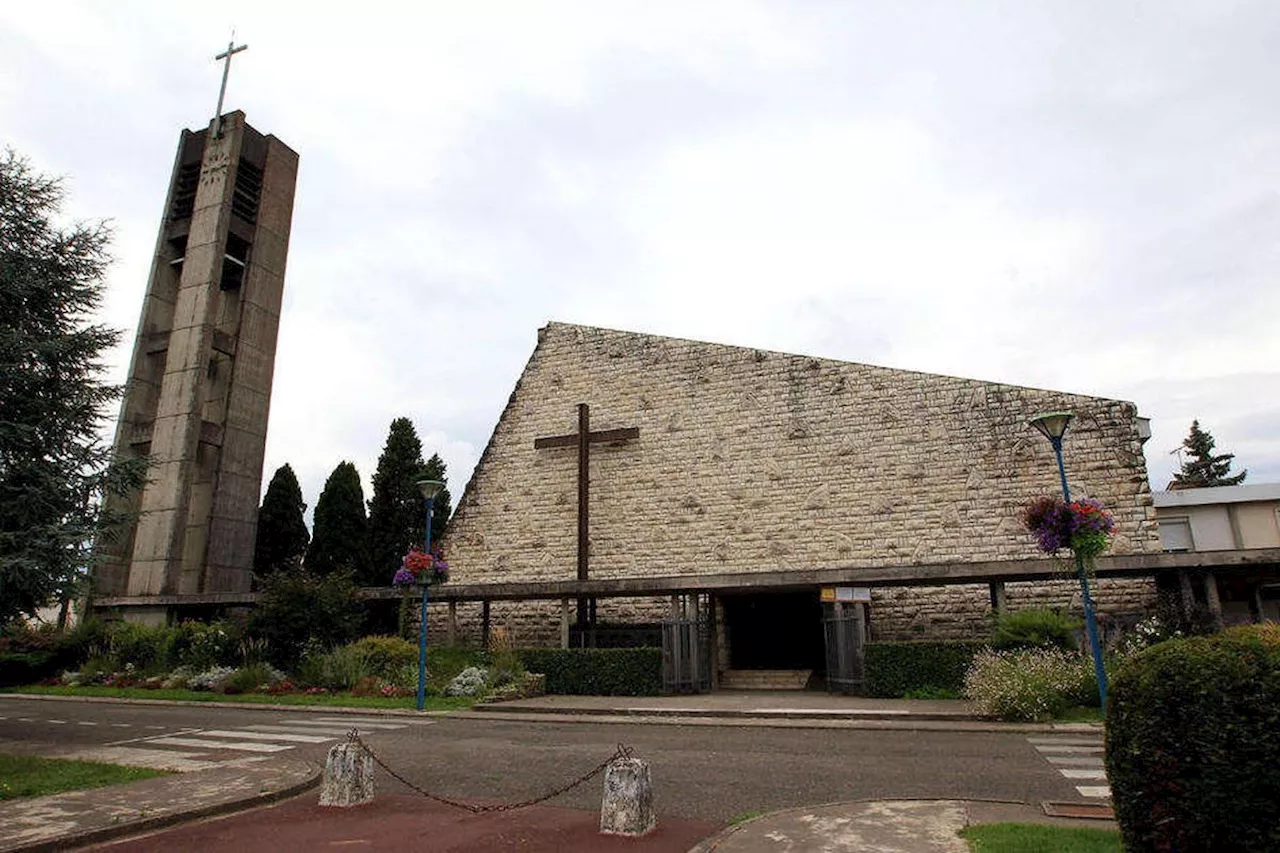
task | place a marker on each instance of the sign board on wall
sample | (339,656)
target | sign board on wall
(846,593)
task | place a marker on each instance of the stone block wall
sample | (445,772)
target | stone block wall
(751,461)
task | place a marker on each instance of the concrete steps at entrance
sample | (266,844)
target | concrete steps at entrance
(765,679)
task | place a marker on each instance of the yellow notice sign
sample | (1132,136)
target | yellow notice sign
(828,593)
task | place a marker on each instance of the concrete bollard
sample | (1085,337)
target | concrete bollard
(627,806)
(348,777)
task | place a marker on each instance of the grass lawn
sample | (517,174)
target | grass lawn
(434,703)
(1034,838)
(26,776)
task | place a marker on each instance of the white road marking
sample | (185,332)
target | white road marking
(1069,749)
(85,723)
(295,738)
(155,727)
(1084,773)
(57,722)
(352,724)
(25,720)
(239,746)
(122,725)
(336,732)
(158,759)
(147,738)
(1067,741)
(1077,759)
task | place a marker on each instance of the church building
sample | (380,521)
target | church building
(661,475)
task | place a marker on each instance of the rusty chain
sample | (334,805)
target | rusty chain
(623,751)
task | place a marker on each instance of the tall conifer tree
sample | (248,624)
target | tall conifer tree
(282,532)
(396,508)
(54,467)
(443,507)
(340,533)
(1205,469)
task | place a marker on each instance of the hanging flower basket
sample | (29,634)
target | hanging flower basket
(1082,526)
(418,568)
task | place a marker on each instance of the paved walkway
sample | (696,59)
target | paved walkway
(886,826)
(75,818)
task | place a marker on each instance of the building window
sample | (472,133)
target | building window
(1175,534)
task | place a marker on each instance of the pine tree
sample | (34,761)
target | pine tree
(340,532)
(396,511)
(443,507)
(1205,469)
(54,467)
(282,532)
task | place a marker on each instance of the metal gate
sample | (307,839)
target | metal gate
(686,645)
(845,628)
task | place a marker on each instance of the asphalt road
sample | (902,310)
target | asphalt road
(700,772)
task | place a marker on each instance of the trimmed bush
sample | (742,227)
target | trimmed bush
(385,656)
(1038,628)
(598,672)
(896,669)
(1193,743)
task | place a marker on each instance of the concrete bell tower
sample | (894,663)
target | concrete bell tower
(199,385)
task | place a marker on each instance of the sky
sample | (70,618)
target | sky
(1071,195)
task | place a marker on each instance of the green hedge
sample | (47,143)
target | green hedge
(895,669)
(1193,743)
(598,672)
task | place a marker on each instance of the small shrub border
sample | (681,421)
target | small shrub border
(597,672)
(895,669)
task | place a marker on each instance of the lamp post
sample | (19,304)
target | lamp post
(1053,426)
(429,489)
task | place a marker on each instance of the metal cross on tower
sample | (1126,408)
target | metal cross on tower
(225,56)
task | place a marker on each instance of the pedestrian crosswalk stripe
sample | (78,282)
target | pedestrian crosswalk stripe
(283,736)
(1100,791)
(1069,749)
(350,724)
(239,746)
(308,730)
(156,759)
(1077,759)
(1066,741)
(1084,773)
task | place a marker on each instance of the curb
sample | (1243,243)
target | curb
(149,824)
(247,706)
(742,713)
(976,727)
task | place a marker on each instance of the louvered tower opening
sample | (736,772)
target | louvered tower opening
(248,192)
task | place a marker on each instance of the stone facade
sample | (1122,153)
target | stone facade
(752,461)
(200,380)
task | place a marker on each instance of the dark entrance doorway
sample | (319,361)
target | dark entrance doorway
(775,630)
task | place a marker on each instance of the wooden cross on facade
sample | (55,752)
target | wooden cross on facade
(583,439)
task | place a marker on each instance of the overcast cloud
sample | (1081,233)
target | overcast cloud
(1072,195)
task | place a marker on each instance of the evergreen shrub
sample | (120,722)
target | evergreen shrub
(1193,743)
(385,656)
(1037,628)
(896,669)
(598,672)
